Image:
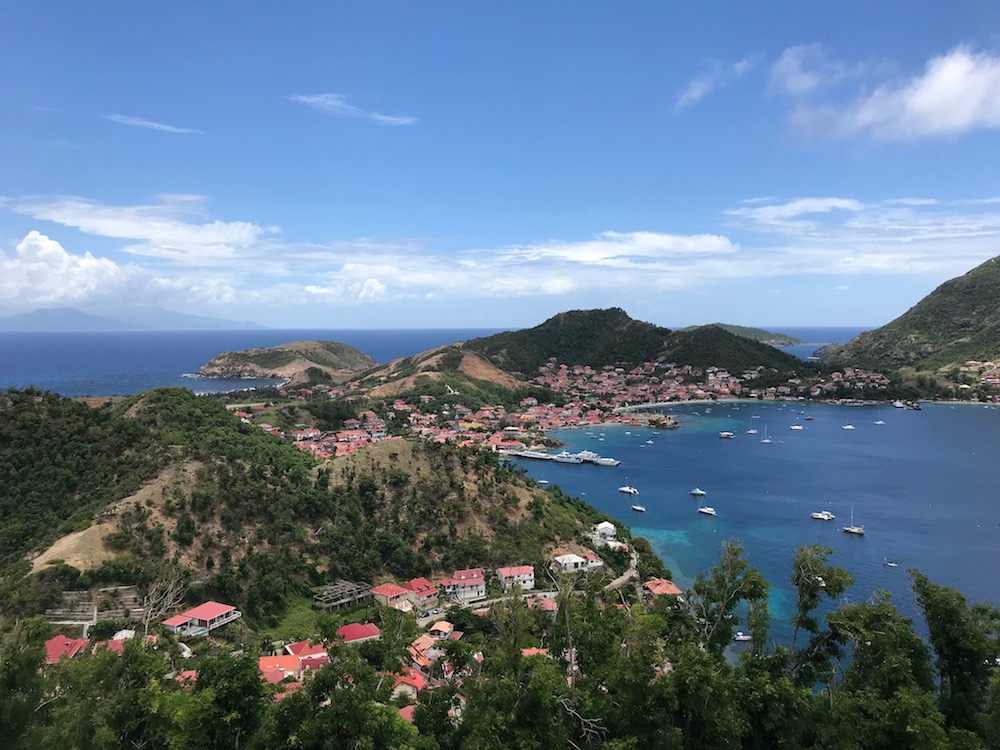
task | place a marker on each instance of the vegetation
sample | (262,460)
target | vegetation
(757,334)
(323,359)
(603,337)
(958,321)
(615,677)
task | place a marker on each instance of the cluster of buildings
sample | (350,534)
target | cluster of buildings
(356,433)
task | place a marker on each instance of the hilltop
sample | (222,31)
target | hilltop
(603,337)
(757,334)
(958,321)
(298,361)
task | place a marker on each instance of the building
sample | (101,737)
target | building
(358,632)
(571,563)
(59,646)
(606,530)
(660,587)
(466,585)
(203,619)
(520,575)
(423,594)
(393,596)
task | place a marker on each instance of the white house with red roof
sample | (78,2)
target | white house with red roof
(358,632)
(571,563)
(423,594)
(466,585)
(393,596)
(203,619)
(518,575)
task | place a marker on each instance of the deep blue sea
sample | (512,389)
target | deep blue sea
(115,363)
(814,338)
(923,485)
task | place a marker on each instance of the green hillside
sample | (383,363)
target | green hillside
(602,337)
(713,345)
(174,478)
(757,334)
(584,337)
(958,321)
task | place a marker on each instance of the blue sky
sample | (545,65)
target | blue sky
(383,165)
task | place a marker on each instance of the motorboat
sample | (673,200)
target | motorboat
(707,510)
(727,435)
(889,563)
(742,637)
(567,458)
(698,492)
(639,508)
(607,461)
(628,489)
(823,515)
(796,427)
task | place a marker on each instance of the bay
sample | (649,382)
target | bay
(923,485)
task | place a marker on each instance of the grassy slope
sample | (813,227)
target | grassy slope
(959,320)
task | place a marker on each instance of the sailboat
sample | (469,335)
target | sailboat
(852,529)
(878,418)
(766,439)
(752,430)
(847,425)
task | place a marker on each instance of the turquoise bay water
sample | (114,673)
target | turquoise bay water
(923,485)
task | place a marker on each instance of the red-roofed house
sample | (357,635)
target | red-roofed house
(393,596)
(115,647)
(274,669)
(423,593)
(203,619)
(520,575)
(357,632)
(534,652)
(466,585)
(304,649)
(441,629)
(407,713)
(661,587)
(409,683)
(59,646)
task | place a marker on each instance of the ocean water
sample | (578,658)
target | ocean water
(116,363)
(923,485)
(814,337)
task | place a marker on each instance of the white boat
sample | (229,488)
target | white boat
(823,515)
(698,492)
(607,461)
(589,456)
(742,637)
(889,563)
(727,435)
(752,431)
(852,529)
(649,442)
(879,421)
(567,458)
(707,510)
(628,489)
(847,426)
(796,427)
(639,508)
(766,439)
(543,481)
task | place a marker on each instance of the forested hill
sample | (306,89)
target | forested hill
(169,477)
(712,345)
(581,337)
(757,334)
(958,321)
(603,337)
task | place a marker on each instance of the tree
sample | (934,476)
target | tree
(163,594)
(715,597)
(21,684)
(966,644)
